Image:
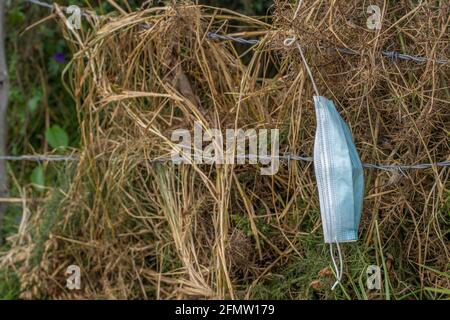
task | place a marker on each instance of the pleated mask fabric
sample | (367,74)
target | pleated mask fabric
(339,174)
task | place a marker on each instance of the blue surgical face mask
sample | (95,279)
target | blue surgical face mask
(339,174)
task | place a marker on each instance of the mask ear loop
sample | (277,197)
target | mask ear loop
(336,270)
(289,42)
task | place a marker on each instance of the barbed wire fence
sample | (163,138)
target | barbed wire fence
(394,55)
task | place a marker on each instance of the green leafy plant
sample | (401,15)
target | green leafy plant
(57,137)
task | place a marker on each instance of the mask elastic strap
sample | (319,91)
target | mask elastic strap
(288,42)
(337,270)
(308,69)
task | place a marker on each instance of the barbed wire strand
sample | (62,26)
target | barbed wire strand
(393,55)
(286,157)
(40,3)
(38,158)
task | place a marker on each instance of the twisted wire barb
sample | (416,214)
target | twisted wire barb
(397,55)
(216,36)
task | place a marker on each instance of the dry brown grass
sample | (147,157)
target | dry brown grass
(146,230)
